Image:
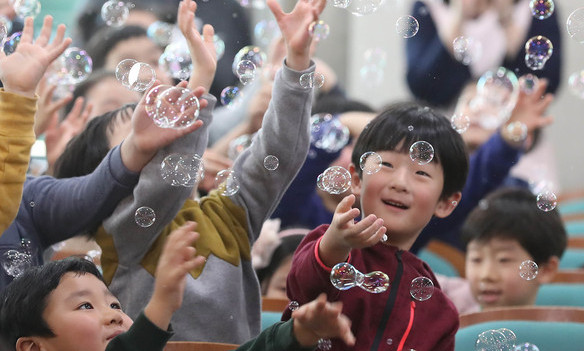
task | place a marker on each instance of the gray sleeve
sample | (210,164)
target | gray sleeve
(152,191)
(285,134)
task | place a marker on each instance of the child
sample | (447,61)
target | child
(66,306)
(506,229)
(398,200)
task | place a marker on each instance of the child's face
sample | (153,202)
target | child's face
(83,314)
(406,195)
(492,269)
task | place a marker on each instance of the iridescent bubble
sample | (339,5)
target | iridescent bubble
(311,80)
(460,122)
(115,13)
(219,46)
(497,94)
(541,9)
(516,131)
(231,96)
(328,133)
(176,107)
(237,145)
(526,347)
(192,170)
(319,30)
(27,8)
(123,71)
(370,162)
(246,71)
(575,25)
(324,344)
(342,4)
(538,50)
(227,182)
(344,276)
(375,282)
(421,288)
(466,50)
(6,24)
(145,216)
(251,53)
(528,270)
(547,201)
(375,56)
(407,26)
(171,172)
(490,340)
(372,75)
(266,31)
(271,162)
(293,305)
(141,77)
(15,262)
(421,152)
(364,7)
(176,60)
(11,43)
(576,83)
(528,83)
(160,32)
(77,63)
(336,180)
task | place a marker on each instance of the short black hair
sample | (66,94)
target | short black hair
(512,213)
(107,38)
(86,150)
(287,246)
(402,124)
(81,89)
(24,300)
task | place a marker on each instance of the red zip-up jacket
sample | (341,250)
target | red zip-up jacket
(391,320)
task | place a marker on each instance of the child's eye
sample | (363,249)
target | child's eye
(475,260)
(422,173)
(86,306)
(116,305)
(505,260)
(387,164)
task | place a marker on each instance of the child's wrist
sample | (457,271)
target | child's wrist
(304,336)
(25,93)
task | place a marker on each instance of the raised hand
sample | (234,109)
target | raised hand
(21,71)
(202,48)
(47,109)
(294,29)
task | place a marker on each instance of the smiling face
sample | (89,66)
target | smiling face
(406,195)
(82,313)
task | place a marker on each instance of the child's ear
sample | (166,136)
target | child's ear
(355,180)
(445,206)
(547,271)
(28,343)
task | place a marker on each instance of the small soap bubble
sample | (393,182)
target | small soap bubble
(293,305)
(575,25)
(460,122)
(576,84)
(547,201)
(375,282)
(32,204)
(171,171)
(421,288)
(389,341)
(516,131)
(237,145)
(328,133)
(490,340)
(15,262)
(246,71)
(342,4)
(528,270)
(266,31)
(319,30)
(77,65)
(344,276)
(384,238)
(466,50)
(422,152)
(372,75)
(271,162)
(231,96)
(484,204)
(160,32)
(176,60)
(312,80)
(11,43)
(176,107)
(227,182)
(410,128)
(541,9)
(141,77)
(145,216)
(27,8)
(219,46)
(115,13)
(336,180)
(407,26)
(538,50)
(510,336)
(324,344)
(123,71)
(375,56)
(526,347)
(364,7)
(191,169)
(498,88)
(252,53)
(370,162)
(529,83)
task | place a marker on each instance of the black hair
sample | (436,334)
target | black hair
(286,249)
(512,213)
(24,300)
(86,150)
(404,123)
(107,38)
(335,103)
(82,88)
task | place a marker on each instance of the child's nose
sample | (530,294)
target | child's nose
(399,180)
(488,272)
(114,317)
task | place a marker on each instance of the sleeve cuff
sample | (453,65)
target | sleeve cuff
(317,256)
(285,331)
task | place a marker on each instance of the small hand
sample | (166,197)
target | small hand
(47,109)
(214,162)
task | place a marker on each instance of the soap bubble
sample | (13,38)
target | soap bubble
(161,33)
(576,83)
(123,71)
(271,162)
(151,99)
(6,23)
(319,182)
(16,262)
(141,77)
(27,8)
(528,270)
(466,50)
(510,336)
(328,133)
(370,162)
(176,60)
(342,4)
(176,107)
(526,347)
(407,26)
(528,83)
(516,131)
(324,344)
(145,216)
(219,46)
(115,13)
(547,201)
(375,282)
(11,43)
(575,25)
(227,182)
(421,152)
(237,145)
(344,276)
(231,96)
(421,288)
(490,340)
(192,169)
(460,122)
(251,53)
(319,30)
(541,9)
(311,80)
(336,180)
(293,305)
(171,171)
(72,67)
(246,71)
(364,7)
(497,94)
(266,31)
(538,50)
(372,75)
(375,56)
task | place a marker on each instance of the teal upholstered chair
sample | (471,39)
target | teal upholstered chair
(443,258)
(272,310)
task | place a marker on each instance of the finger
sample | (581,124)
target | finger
(545,101)
(45,33)
(345,330)
(376,237)
(59,49)
(59,36)
(320,5)
(276,9)
(208,33)
(59,104)
(198,261)
(27,31)
(347,217)
(77,108)
(86,113)
(346,204)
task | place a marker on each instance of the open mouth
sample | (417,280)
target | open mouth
(489,296)
(395,204)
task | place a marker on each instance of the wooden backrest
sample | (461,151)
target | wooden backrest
(449,253)
(198,346)
(572,276)
(274,305)
(526,313)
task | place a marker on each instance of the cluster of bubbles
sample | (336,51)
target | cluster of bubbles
(576,83)
(407,26)
(459,122)
(466,49)
(134,75)
(115,12)
(172,107)
(182,169)
(144,216)
(547,200)
(312,80)
(227,182)
(328,133)
(176,60)
(498,88)
(542,9)
(334,180)
(72,67)
(16,261)
(528,83)
(26,8)
(373,69)
(538,50)
(370,162)
(231,96)
(421,288)
(319,30)
(344,276)
(250,53)
(575,25)
(528,270)
(324,344)
(421,152)
(266,31)
(496,340)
